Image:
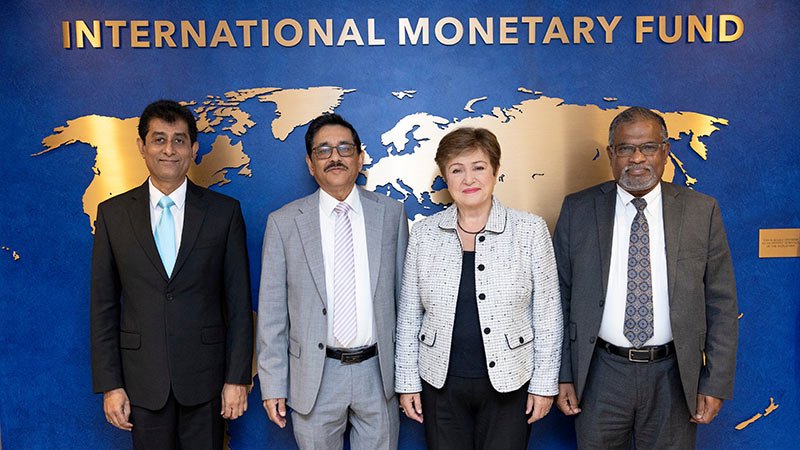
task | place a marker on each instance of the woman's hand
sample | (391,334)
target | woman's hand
(411,404)
(538,407)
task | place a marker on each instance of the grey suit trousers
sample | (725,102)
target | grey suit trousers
(635,402)
(354,393)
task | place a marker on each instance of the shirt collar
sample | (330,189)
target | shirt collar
(651,197)
(178,196)
(496,222)
(327,203)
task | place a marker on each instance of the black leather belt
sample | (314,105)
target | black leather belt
(352,356)
(639,355)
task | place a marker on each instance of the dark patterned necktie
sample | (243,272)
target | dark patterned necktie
(639,300)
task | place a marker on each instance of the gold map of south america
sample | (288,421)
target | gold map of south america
(550,148)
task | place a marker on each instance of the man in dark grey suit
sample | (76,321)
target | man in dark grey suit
(649,300)
(326,314)
(171,318)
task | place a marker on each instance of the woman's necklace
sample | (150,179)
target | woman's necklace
(469,232)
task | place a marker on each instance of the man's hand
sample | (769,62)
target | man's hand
(707,409)
(538,407)
(234,400)
(117,408)
(411,405)
(567,400)
(276,410)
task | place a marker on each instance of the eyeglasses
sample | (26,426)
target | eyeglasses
(325,151)
(647,149)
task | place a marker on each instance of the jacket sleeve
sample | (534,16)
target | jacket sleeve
(409,321)
(716,378)
(238,304)
(547,316)
(273,316)
(104,311)
(564,264)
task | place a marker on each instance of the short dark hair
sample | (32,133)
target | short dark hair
(329,119)
(169,111)
(633,114)
(467,139)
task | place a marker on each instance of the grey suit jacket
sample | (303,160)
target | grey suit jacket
(292,305)
(702,290)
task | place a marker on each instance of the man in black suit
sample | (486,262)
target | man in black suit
(171,317)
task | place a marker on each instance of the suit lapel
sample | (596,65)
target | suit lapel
(310,236)
(192,222)
(672,210)
(604,211)
(139,215)
(373,223)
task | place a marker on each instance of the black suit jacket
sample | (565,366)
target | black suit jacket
(151,333)
(700,281)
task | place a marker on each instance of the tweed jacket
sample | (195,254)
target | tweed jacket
(518,302)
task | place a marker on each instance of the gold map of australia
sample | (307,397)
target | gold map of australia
(550,148)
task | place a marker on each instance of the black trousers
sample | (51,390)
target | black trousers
(467,413)
(178,427)
(633,405)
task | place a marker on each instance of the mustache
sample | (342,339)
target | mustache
(647,167)
(335,164)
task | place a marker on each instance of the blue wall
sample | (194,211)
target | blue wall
(753,168)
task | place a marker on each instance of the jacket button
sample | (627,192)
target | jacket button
(602,303)
(481,238)
(491,364)
(481,267)
(324,312)
(320,346)
(482,296)
(521,340)
(422,338)
(169,297)
(591,340)
(487,330)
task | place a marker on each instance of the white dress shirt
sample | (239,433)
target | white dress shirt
(611,328)
(178,197)
(327,220)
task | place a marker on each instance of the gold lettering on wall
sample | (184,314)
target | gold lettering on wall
(449,30)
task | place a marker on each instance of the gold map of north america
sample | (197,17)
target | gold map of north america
(550,148)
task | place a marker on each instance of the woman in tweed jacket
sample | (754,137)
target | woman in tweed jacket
(479,325)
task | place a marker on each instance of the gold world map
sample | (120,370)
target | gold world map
(550,148)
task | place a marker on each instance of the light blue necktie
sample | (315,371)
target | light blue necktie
(165,235)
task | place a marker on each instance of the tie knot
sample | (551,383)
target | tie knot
(342,208)
(639,203)
(165,202)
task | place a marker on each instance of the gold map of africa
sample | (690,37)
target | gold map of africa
(550,148)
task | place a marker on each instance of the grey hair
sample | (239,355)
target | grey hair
(633,114)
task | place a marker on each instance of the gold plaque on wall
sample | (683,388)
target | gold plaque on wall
(779,243)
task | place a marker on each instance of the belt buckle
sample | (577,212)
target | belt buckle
(351,357)
(647,352)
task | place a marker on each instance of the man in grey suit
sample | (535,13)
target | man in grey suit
(330,275)
(649,300)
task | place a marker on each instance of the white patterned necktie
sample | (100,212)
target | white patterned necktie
(344,278)
(639,299)
(165,235)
